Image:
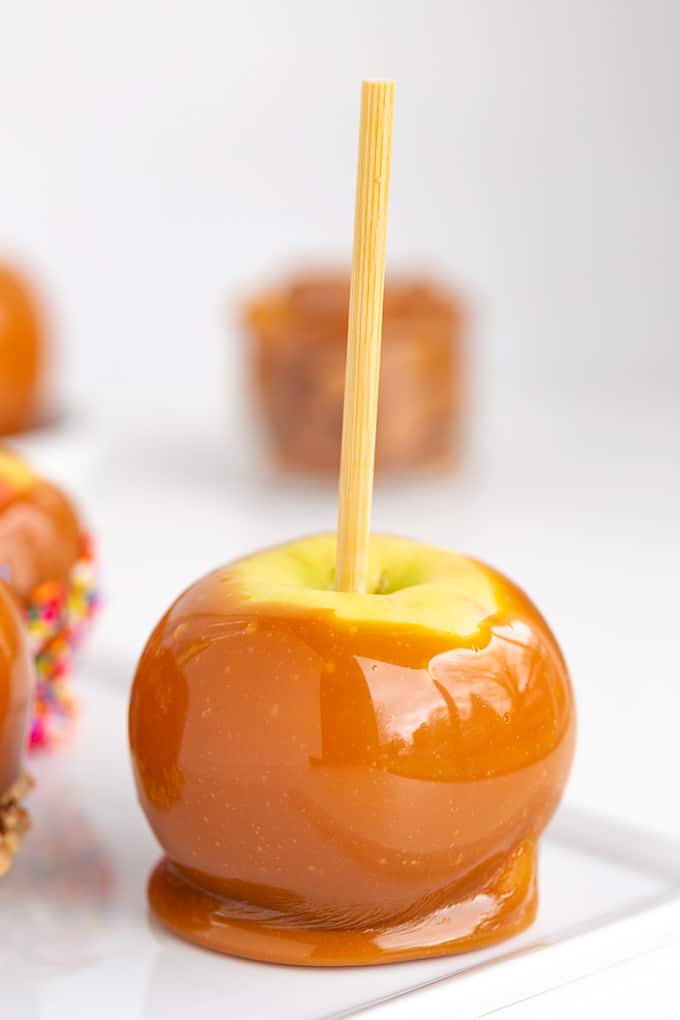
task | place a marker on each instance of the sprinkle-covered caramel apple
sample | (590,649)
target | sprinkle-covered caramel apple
(22,354)
(16,698)
(46,561)
(349,745)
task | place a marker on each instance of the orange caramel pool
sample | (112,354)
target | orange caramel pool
(332,792)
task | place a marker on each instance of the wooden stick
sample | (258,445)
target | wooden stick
(364,335)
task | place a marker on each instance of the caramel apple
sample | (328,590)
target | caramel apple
(16,693)
(296,342)
(345,778)
(22,354)
(46,561)
(348,746)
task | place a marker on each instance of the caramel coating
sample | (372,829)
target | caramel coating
(16,691)
(22,354)
(40,533)
(329,792)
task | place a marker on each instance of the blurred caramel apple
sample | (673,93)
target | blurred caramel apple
(344,778)
(41,536)
(46,560)
(297,337)
(16,697)
(22,354)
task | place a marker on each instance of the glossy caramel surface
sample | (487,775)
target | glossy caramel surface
(22,354)
(16,691)
(338,792)
(40,533)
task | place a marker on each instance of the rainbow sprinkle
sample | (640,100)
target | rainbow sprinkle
(57,617)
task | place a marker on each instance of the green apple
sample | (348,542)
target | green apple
(409,583)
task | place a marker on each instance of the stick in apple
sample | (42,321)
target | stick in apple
(364,335)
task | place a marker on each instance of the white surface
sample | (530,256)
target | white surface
(645,986)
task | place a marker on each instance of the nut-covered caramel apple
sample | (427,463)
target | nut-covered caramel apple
(46,561)
(16,695)
(350,778)
(22,354)
(297,336)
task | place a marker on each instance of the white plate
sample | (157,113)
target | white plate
(80,937)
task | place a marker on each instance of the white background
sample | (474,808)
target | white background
(158,160)
(158,157)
